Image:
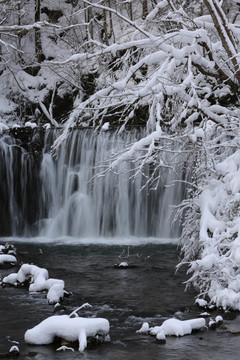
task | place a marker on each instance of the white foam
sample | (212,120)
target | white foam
(106,241)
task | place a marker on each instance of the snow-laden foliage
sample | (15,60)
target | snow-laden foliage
(213,246)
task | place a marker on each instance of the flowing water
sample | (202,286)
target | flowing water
(69,196)
(149,290)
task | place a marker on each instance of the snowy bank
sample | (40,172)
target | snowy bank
(69,329)
(39,281)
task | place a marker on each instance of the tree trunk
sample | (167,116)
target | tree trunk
(105,27)
(144,9)
(38,42)
(111,23)
(1,59)
(225,34)
(130,11)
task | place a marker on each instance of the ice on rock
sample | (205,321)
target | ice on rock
(69,329)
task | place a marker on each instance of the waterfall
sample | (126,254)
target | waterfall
(19,188)
(73,195)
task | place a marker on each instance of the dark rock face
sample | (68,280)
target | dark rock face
(29,139)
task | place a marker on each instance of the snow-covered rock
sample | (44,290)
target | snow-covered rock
(3,127)
(144,329)
(105,126)
(212,324)
(39,281)
(14,350)
(123,264)
(69,329)
(5,258)
(161,337)
(201,302)
(219,320)
(175,327)
(30,124)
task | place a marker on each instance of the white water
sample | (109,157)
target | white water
(82,203)
(68,198)
(103,241)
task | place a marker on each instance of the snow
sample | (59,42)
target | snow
(14,348)
(175,327)
(219,319)
(144,329)
(105,126)
(47,126)
(161,336)
(64,348)
(69,329)
(5,258)
(30,124)
(201,302)
(3,127)
(216,269)
(123,264)
(204,314)
(39,281)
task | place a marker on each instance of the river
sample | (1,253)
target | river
(149,290)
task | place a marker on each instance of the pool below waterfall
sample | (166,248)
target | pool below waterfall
(149,290)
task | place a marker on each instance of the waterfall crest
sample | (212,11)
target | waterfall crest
(68,196)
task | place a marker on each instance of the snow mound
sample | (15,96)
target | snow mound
(201,302)
(144,329)
(175,327)
(39,281)
(7,253)
(30,124)
(105,126)
(5,258)
(69,329)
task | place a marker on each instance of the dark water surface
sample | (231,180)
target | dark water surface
(149,290)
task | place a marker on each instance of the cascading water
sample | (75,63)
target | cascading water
(68,196)
(19,188)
